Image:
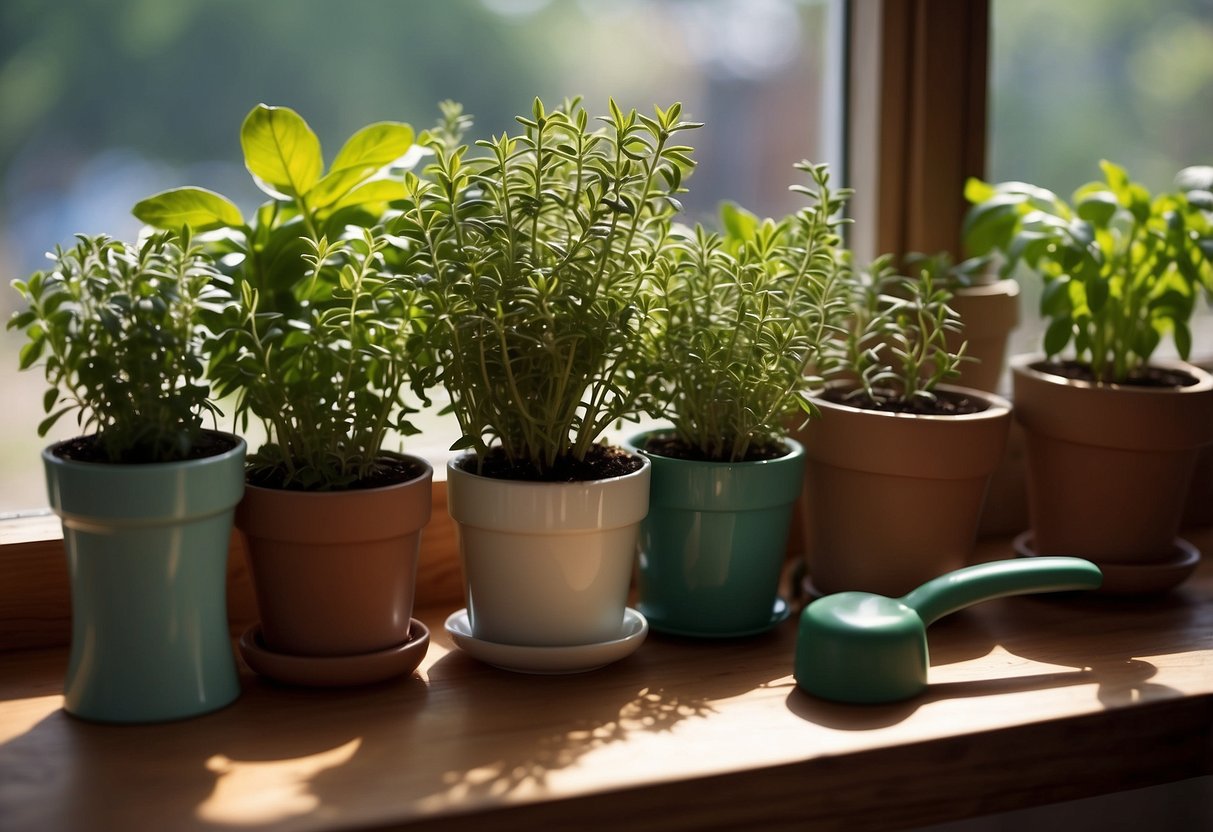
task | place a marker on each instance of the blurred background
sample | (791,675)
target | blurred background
(103,102)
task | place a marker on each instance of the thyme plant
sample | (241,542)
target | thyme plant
(536,252)
(325,336)
(894,353)
(1121,269)
(742,324)
(122,328)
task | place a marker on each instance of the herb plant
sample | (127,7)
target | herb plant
(895,349)
(536,253)
(742,323)
(122,328)
(1121,268)
(269,250)
(325,335)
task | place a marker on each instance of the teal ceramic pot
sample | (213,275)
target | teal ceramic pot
(147,561)
(712,547)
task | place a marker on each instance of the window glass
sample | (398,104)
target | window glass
(107,102)
(1082,80)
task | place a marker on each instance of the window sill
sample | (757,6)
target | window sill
(1032,701)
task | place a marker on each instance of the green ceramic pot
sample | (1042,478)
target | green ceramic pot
(713,544)
(147,561)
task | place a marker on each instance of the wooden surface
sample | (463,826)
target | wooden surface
(1031,701)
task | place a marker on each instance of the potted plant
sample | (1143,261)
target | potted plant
(741,327)
(986,305)
(899,462)
(146,495)
(323,342)
(538,252)
(1112,432)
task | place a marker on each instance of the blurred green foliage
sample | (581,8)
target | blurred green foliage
(1077,81)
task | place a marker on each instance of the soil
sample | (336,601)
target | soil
(671,446)
(89,449)
(389,470)
(1157,377)
(600,463)
(946,403)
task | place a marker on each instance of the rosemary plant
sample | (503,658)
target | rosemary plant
(122,329)
(1121,269)
(536,253)
(895,352)
(743,323)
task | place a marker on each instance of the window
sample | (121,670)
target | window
(107,103)
(1072,83)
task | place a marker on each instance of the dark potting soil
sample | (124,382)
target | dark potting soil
(89,449)
(669,445)
(388,470)
(601,462)
(945,403)
(1158,377)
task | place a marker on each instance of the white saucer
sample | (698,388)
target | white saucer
(549,660)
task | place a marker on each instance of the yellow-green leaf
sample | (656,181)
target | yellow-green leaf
(280,151)
(200,209)
(367,152)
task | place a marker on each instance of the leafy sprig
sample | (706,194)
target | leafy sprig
(895,350)
(535,252)
(329,382)
(121,329)
(743,323)
(1121,269)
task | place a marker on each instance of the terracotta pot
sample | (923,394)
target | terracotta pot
(990,311)
(892,500)
(334,572)
(547,564)
(1109,465)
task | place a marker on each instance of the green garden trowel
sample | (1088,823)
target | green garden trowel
(866,648)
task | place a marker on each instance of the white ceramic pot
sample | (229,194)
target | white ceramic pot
(547,564)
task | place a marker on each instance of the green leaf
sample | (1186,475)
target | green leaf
(280,151)
(364,154)
(200,209)
(30,353)
(49,422)
(1098,208)
(377,190)
(1057,336)
(976,191)
(48,399)
(1183,338)
(739,224)
(991,224)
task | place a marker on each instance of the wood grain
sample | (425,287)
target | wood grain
(1031,700)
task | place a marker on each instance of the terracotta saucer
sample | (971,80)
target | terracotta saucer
(335,671)
(1136,578)
(578,658)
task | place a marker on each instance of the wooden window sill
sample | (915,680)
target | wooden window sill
(1032,701)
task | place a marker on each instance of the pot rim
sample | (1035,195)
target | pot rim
(998,406)
(427,472)
(452,467)
(1022,365)
(238,449)
(635,441)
